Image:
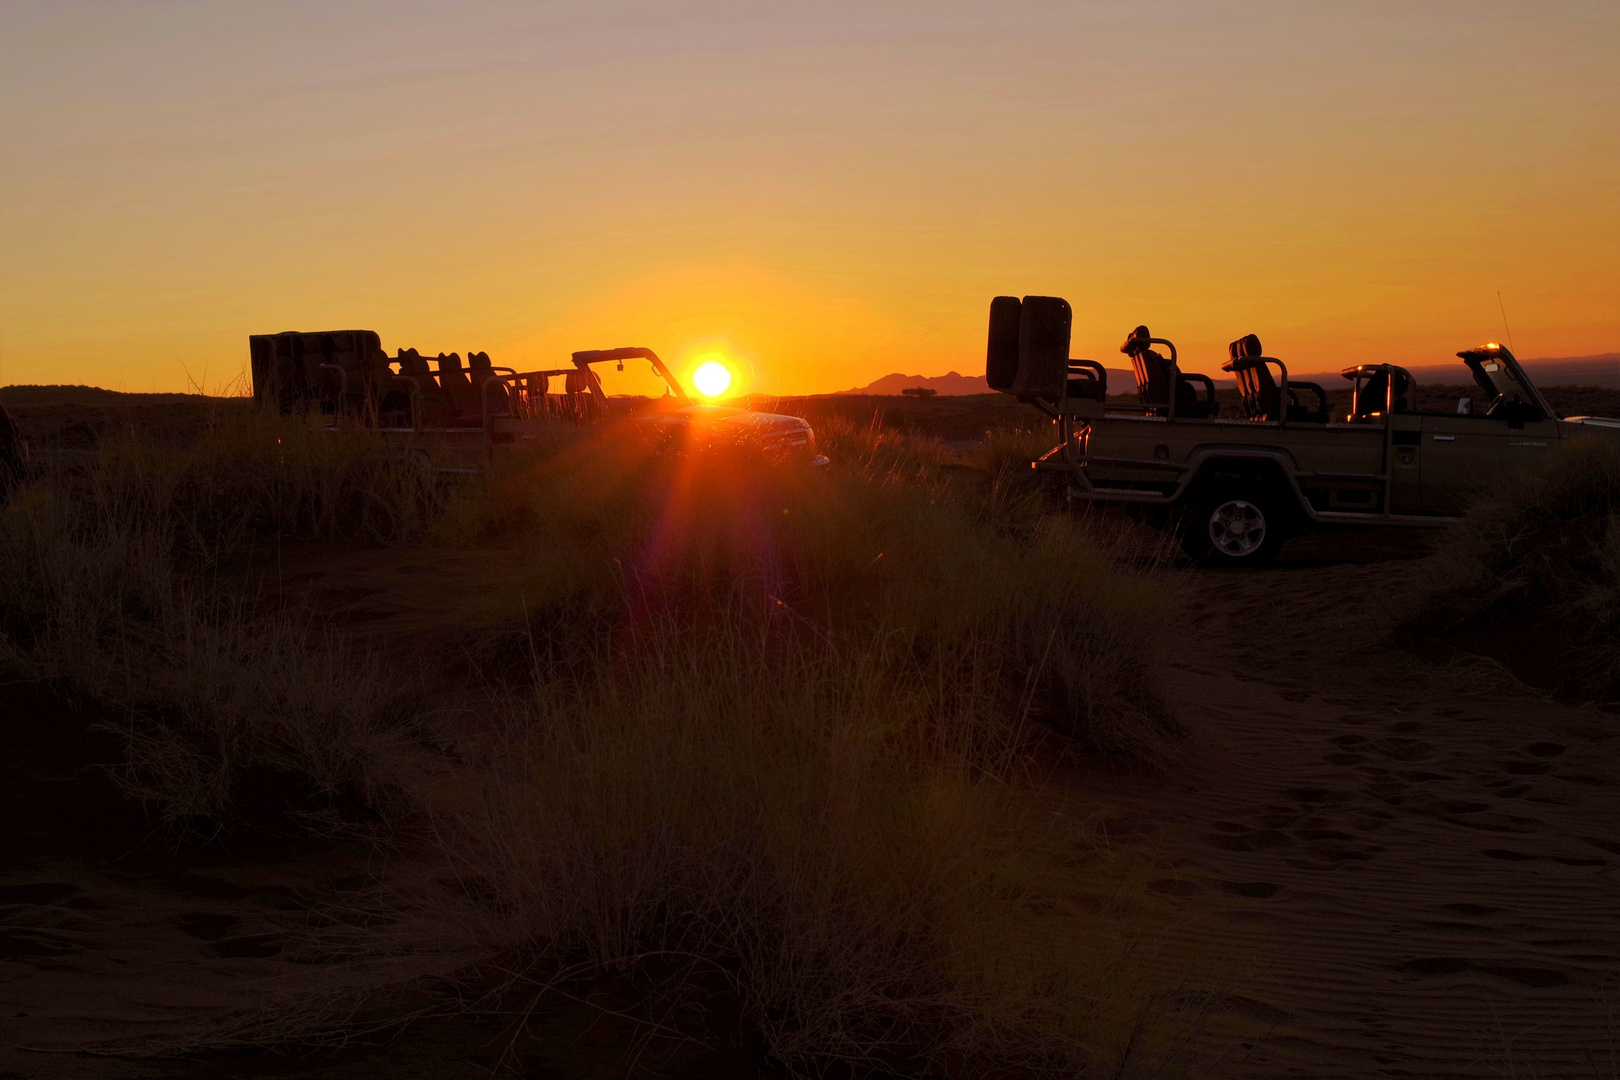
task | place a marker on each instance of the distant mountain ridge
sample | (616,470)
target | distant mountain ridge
(948,385)
(1602,370)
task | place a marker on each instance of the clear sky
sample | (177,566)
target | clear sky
(828,191)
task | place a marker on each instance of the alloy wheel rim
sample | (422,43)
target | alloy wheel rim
(1237,528)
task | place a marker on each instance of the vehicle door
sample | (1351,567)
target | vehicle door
(1405,463)
(1464,457)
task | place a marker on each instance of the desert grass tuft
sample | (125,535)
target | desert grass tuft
(110,576)
(1533,574)
(798,730)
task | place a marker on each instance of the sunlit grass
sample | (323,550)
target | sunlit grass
(796,726)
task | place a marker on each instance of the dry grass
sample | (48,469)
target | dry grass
(1534,575)
(109,575)
(789,728)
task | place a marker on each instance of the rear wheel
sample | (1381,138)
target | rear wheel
(1234,527)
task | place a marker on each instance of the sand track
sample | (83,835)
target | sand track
(1424,859)
(1423,863)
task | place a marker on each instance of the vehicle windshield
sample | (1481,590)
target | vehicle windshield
(1502,382)
(630,378)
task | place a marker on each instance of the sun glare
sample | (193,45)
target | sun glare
(712,378)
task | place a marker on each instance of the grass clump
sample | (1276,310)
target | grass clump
(123,571)
(1535,574)
(793,732)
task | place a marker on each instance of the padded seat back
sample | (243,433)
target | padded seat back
(1001,354)
(1152,368)
(1083,384)
(1153,374)
(430,399)
(457,387)
(482,371)
(1262,397)
(531,395)
(1374,396)
(579,402)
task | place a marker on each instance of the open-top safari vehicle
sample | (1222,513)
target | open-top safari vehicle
(1236,488)
(453,418)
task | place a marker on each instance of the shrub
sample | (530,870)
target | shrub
(786,725)
(1535,575)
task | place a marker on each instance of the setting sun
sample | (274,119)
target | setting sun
(712,378)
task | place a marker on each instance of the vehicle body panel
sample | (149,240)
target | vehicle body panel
(1382,465)
(455,418)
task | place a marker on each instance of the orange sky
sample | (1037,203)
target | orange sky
(828,191)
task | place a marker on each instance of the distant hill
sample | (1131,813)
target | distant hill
(954,385)
(25,395)
(951,385)
(1601,370)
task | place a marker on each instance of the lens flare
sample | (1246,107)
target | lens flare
(712,378)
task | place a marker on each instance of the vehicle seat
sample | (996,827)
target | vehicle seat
(530,398)
(1087,380)
(459,390)
(430,399)
(1153,371)
(582,404)
(482,371)
(1370,398)
(1263,398)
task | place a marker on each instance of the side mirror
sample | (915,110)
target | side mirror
(1465,406)
(1044,323)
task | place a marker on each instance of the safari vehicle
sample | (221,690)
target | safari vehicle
(453,418)
(1235,488)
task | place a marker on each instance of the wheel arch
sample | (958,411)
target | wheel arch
(1272,469)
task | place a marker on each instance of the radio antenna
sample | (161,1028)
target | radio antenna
(1505,326)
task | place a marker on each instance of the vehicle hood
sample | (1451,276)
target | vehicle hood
(723,425)
(1606,425)
(725,417)
(744,418)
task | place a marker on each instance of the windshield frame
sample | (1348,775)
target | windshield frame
(585,358)
(1508,379)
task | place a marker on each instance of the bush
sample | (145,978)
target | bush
(1536,575)
(789,726)
(133,573)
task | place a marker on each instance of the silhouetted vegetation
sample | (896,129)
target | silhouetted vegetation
(1536,576)
(788,728)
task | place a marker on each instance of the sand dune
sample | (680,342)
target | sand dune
(1424,861)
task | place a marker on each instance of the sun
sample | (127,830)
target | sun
(712,378)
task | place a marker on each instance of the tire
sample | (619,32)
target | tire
(1238,527)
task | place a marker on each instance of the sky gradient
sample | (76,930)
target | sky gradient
(828,192)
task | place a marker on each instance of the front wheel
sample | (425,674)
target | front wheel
(1234,527)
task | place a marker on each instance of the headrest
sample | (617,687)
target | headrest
(1245,346)
(1136,341)
(452,362)
(478,361)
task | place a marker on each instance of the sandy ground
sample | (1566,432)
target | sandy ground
(1425,860)
(1417,864)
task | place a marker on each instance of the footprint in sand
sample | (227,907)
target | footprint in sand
(1452,965)
(205,925)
